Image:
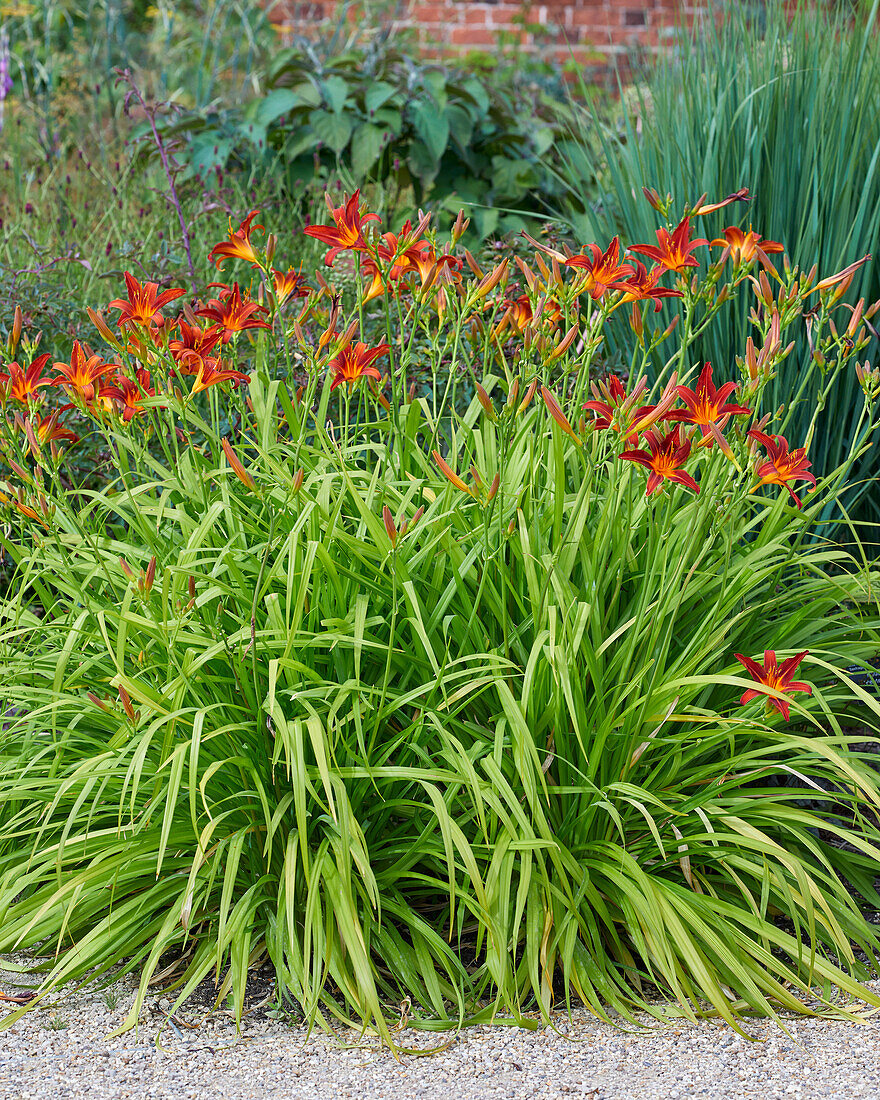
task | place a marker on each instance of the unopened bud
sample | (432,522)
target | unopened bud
(486,402)
(150,575)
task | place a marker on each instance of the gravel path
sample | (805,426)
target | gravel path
(61,1051)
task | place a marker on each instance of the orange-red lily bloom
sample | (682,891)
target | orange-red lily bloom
(673,251)
(130,393)
(708,409)
(403,254)
(620,412)
(239,246)
(782,466)
(642,286)
(233,311)
(664,459)
(348,232)
(81,377)
(24,383)
(46,430)
(143,305)
(603,269)
(777,677)
(289,284)
(212,371)
(356,361)
(192,344)
(744,247)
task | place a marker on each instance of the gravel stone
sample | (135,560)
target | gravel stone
(61,1051)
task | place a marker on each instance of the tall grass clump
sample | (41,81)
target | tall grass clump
(407,655)
(790,103)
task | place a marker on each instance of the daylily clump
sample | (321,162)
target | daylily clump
(409,646)
(524,327)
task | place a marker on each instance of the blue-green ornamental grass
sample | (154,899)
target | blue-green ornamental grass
(481,703)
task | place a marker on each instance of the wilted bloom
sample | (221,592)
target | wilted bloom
(673,251)
(642,286)
(23,383)
(603,270)
(233,311)
(781,467)
(144,304)
(844,276)
(774,676)
(289,284)
(621,412)
(239,246)
(212,371)
(356,361)
(80,376)
(738,196)
(708,409)
(744,247)
(348,231)
(664,459)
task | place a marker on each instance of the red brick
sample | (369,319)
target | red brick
(472,36)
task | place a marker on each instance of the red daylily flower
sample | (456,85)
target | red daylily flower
(355,362)
(673,251)
(233,311)
(744,247)
(289,284)
(45,430)
(708,410)
(642,286)
(620,412)
(664,458)
(130,393)
(239,246)
(23,383)
(772,675)
(81,377)
(212,371)
(192,345)
(407,256)
(144,305)
(781,466)
(604,270)
(348,232)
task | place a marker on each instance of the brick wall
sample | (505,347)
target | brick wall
(598,33)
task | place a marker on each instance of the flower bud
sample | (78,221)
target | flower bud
(240,472)
(486,402)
